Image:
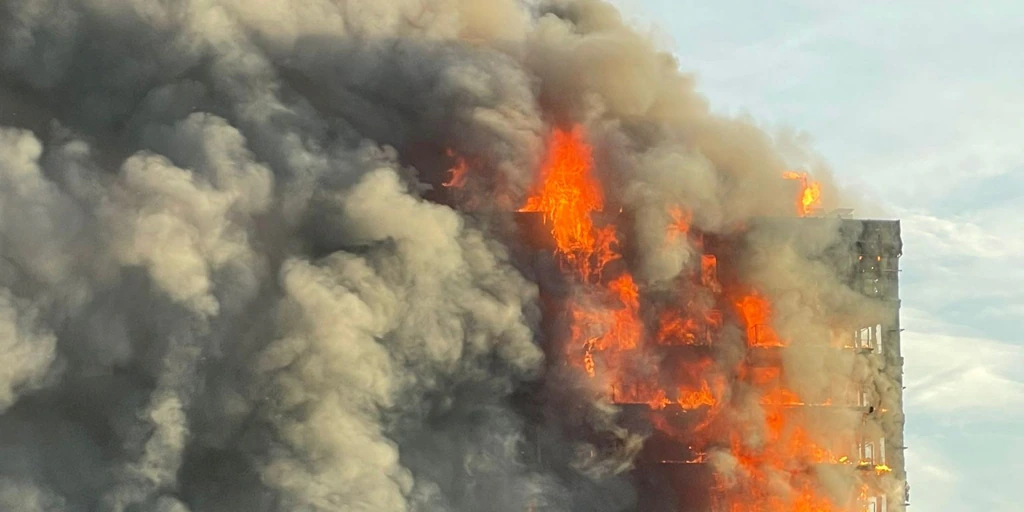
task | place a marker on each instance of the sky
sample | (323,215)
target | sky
(919,105)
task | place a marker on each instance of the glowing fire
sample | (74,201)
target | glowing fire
(810,192)
(781,396)
(695,399)
(756,313)
(458,173)
(606,327)
(614,327)
(680,224)
(709,272)
(676,329)
(568,195)
(658,399)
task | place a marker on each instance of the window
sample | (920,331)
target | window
(871,286)
(867,452)
(712,324)
(849,394)
(868,337)
(709,272)
(763,336)
(871,505)
(889,263)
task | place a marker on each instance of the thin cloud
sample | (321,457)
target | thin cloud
(951,374)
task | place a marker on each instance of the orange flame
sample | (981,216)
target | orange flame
(658,398)
(709,272)
(616,328)
(458,173)
(774,474)
(680,224)
(810,193)
(788,452)
(781,396)
(695,399)
(756,313)
(676,329)
(568,195)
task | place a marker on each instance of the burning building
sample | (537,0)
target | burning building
(420,256)
(698,368)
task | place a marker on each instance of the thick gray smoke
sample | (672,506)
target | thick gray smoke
(228,279)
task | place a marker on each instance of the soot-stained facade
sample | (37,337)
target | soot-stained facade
(678,465)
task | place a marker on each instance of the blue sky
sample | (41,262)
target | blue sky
(919,105)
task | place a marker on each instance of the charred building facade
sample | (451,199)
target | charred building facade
(734,413)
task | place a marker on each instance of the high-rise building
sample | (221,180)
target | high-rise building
(839,450)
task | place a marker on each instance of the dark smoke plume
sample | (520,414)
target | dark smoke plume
(230,279)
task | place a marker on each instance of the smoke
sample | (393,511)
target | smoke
(230,279)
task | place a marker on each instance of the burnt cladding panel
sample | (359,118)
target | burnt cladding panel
(674,488)
(866,253)
(879,247)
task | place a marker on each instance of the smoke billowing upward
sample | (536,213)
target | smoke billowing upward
(232,277)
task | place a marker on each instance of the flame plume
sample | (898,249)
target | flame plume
(568,195)
(756,313)
(809,198)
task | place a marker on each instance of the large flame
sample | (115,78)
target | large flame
(774,474)
(568,195)
(809,198)
(756,313)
